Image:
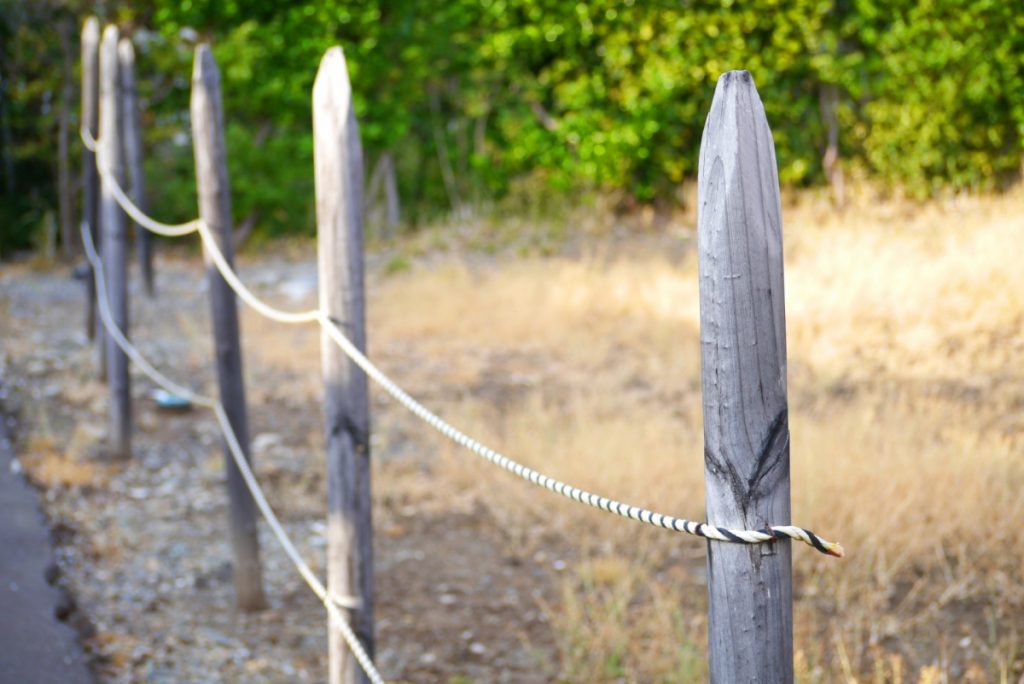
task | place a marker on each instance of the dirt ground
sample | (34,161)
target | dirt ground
(143,546)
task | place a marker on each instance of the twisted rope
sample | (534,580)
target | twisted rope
(643,515)
(129,207)
(700,529)
(244,293)
(332,602)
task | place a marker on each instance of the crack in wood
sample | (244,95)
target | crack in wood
(770,453)
(347,424)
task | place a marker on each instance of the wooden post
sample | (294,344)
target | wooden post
(90,182)
(5,138)
(113,247)
(338,161)
(215,210)
(64,192)
(393,216)
(132,128)
(828,100)
(384,176)
(743,364)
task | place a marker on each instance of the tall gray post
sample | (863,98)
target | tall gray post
(743,369)
(90,180)
(113,247)
(215,210)
(338,161)
(132,129)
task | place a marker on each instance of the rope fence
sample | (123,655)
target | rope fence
(332,603)
(109,301)
(624,510)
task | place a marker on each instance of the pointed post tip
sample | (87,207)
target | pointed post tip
(91,30)
(734,81)
(108,59)
(111,34)
(126,50)
(334,58)
(740,75)
(333,69)
(333,53)
(736,98)
(332,84)
(204,66)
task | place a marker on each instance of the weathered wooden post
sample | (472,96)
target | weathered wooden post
(215,211)
(90,182)
(65,200)
(113,247)
(743,367)
(393,215)
(132,130)
(338,161)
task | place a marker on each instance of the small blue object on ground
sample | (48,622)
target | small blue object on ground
(170,402)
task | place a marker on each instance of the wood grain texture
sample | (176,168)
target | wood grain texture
(90,44)
(132,130)
(743,369)
(338,161)
(113,248)
(215,209)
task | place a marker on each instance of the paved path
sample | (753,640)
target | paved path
(35,648)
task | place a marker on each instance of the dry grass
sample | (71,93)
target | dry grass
(51,467)
(906,354)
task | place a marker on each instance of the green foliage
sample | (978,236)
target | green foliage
(470,97)
(31,75)
(949,96)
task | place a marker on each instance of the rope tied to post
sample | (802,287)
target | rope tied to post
(767,534)
(332,602)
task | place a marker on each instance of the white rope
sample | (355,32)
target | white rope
(669,522)
(575,493)
(332,602)
(232,279)
(130,208)
(209,243)
(451,432)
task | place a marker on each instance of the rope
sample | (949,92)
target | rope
(575,493)
(130,208)
(332,602)
(217,257)
(700,529)
(193,226)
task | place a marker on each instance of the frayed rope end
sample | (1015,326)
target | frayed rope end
(834,549)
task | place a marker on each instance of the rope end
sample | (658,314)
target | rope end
(834,549)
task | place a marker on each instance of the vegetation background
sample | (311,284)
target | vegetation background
(523,106)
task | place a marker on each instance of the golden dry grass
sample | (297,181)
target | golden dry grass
(906,346)
(53,467)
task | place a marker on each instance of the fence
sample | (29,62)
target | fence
(743,356)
